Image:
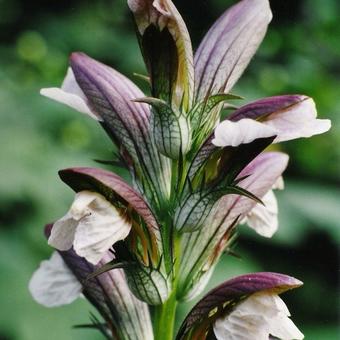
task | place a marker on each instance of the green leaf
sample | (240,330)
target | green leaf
(96,324)
(205,115)
(194,210)
(147,284)
(107,267)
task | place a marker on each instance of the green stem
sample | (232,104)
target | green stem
(174,180)
(164,319)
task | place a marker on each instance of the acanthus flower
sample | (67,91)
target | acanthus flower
(244,307)
(193,178)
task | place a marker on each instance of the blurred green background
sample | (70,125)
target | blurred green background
(300,54)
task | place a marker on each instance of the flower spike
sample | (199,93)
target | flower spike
(193,180)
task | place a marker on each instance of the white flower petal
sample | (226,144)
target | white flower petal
(263,218)
(92,226)
(298,121)
(80,206)
(53,284)
(244,131)
(257,317)
(62,233)
(285,329)
(70,94)
(99,229)
(279,184)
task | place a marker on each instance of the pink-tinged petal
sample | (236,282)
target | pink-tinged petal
(244,131)
(53,284)
(169,61)
(263,217)
(297,122)
(232,160)
(263,172)
(127,122)
(71,95)
(279,184)
(113,188)
(228,47)
(292,116)
(202,248)
(225,296)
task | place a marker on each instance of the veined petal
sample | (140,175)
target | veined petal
(127,122)
(259,316)
(70,94)
(264,107)
(228,47)
(53,284)
(244,131)
(263,218)
(131,316)
(99,229)
(292,116)
(125,315)
(227,298)
(170,62)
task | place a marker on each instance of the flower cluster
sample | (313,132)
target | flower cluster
(194,179)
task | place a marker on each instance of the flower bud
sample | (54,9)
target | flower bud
(171,129)
(172,135)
